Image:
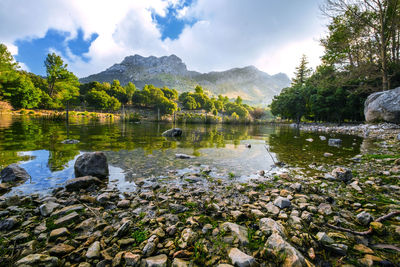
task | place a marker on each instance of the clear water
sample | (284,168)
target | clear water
(139,151)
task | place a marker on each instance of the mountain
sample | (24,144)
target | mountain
(253,85)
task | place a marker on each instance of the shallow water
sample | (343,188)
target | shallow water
(139,151)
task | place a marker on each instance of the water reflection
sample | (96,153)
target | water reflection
(139,150)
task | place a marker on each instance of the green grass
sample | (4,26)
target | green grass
(139,236)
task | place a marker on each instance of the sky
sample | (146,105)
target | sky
(208,35)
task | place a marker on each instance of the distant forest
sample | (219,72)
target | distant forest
(362,51)
(61,89)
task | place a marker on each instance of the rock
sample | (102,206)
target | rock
(334,142)
(94,250)
(282,202)
(70,141)
(324,238)
(241,259)
(296,187)
(92,164)
(174,132)
(59,232)
(132,259)
(156,261)
(151,245)
(364,218)
(184,156)
(68,209)
(38,260)
(309,140)
(355,186)
(84,182)
(180,263)
(377,227)
(383,106)
(239,231)
(47,208)
(340,249)
(327,155)
(123,229)
(325,209)
(280,247)
(342,174)
(124,203)
(61,249)
(271,208)
(363,249)
(322,138)
(67,219)
(13,173)
(398,137)
(269,226)
(103,198)
(188,236)
(7,224)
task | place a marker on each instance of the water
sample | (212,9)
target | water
(139,151)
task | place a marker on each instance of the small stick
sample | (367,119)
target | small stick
(266,148)
(369,231)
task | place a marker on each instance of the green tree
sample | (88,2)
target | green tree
(302,72)
(239,100)
(7,62)
(62,84)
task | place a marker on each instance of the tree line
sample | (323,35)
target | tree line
(61,89)
(362,56)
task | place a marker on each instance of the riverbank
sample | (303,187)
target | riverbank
(193,219)
(380,131)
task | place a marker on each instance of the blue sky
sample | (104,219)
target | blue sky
(207,34)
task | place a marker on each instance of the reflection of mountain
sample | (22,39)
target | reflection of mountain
(251,84)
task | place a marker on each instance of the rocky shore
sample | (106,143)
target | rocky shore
(380,131)
(335,217)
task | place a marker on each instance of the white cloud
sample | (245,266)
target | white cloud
(228,33)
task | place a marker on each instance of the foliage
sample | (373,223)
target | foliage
(101,100)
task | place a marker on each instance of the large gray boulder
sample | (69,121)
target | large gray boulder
(174,132)
(383,106)
(14,173)
(91,164)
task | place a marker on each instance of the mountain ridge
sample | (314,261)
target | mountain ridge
(253,85)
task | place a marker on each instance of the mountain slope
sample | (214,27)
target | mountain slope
(251,84)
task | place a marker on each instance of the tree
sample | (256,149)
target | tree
(302,72)
(381,17)
(239,100)
(62,84)
(190,103)
(7,62)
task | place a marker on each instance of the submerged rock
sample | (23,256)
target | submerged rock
(334,142)
(92,164)
(383,106)
(342,174)
(84,182)
(174,132)
(14,173)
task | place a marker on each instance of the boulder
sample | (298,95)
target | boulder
(281,248)
(47,208)
(13,173)
(84,182)
(92,164)
(383,106)
(94,250)
(174,132)
(156,261)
